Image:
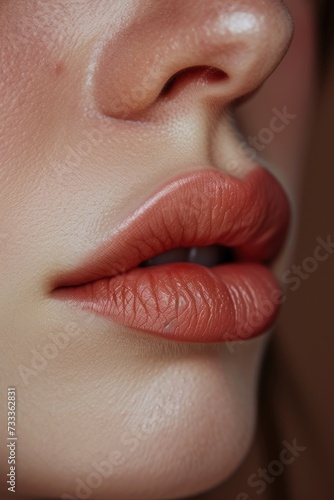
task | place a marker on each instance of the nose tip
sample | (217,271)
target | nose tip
(194,50)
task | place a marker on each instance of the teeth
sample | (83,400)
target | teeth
(205,256)
(176,255)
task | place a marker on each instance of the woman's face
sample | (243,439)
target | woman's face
(106,161)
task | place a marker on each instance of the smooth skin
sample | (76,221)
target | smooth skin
(88,129)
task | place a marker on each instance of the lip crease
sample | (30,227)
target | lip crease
(183,301)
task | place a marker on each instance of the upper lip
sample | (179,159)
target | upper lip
(200,208)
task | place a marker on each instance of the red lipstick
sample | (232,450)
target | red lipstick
(187,301)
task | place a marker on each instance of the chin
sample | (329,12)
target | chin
(182,428)
(203,429)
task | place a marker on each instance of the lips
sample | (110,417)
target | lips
(135,279)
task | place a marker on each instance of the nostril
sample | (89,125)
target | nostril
(200,75)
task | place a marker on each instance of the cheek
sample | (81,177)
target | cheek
(34,84)
(25,76)
(288,95)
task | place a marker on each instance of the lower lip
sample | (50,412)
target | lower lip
(185,302)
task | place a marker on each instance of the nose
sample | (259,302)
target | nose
(196,51)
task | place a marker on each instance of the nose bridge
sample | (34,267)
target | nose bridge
(243,39)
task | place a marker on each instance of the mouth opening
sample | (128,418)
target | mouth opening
(207,256)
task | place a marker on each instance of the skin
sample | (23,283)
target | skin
(78,79)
